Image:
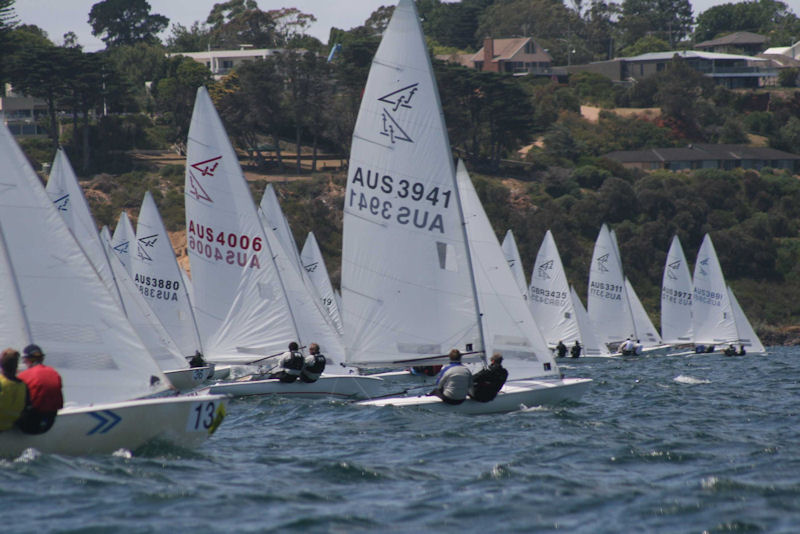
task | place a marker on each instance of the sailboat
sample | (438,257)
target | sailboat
(122,240)
(314,266)
(410,280)
(249,298)
(717,318)
(676,297)
(555,306)
(511,253)
(67,195)
(55,297)
(613,307)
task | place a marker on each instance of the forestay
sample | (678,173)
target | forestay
(406,287)
(712,317)
(511,253)
(71,312)
(158,277)
(508,326)
(676,297)
(607,305)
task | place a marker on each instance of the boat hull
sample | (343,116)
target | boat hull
(105,428)
(515,395)
(189,378)
(341,386)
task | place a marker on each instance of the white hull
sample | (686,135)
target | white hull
(189,378)
(515,395)
(105,428)
(342,386)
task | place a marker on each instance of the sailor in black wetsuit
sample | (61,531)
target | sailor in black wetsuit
(314,365)
(291,364)
(488,382)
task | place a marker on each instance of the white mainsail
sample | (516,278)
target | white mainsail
(71,312)
(239,269)
(508,326)
(123,241)
(549,296)
(407,291)
(747,336)
(712,316)
(157,275)
(644,329)
(607,305)
(591,345)
(676,297)
(511,253)
(314,266)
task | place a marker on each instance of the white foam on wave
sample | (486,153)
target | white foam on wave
(684,379)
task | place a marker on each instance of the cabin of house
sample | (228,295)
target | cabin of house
(707,156)
(518,55)
(792,52)
(21,113)
(222,62)
(735,43)
(728,70)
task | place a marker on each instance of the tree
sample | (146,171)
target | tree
(671,20)
(648,43)
(769,17)
(7,23)
(238,22)
(175,94)
(121,22)
(183,39)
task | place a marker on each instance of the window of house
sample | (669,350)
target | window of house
(227,64)
(530,48)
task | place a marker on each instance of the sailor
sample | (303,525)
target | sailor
(197,360)
(627,348)
(290,364)
(741,352)
(699,349)
(561,349)
(425,370)
(486,383)
(638,348)
(454,381)
(314,364)
(575,351)
(44,385)
(730,350)
(13,393)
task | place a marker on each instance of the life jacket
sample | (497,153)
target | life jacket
(315,364)
(12,401)
(294,363)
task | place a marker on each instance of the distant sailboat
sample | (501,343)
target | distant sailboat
(413,287)
(511,253)
(70,312)
(123,240)
(717,318)
(676,297)
(314,265)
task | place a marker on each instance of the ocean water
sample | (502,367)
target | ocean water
(658,444)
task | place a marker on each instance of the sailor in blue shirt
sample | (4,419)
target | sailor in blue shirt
(454,381)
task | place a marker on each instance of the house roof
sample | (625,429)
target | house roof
(505,49)
(734,39)
(701,152)
(688,54)
(780,60)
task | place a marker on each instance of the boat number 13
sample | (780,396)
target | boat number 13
(206,416)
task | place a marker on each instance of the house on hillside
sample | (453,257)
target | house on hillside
(788,51)
(222,62)
(729,70)
(706,156)
(21,113)
(518,55)
(735,43)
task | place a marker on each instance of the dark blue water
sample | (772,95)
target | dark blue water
(659,444)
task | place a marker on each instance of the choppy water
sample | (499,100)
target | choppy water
(658,444)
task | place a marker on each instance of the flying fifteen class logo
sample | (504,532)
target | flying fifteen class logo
(704,266)
(542,270)
(673,268)
(62,203)
(204,168)
(145,243)
(602,263)
(122,248)
(311,267)
(397,101)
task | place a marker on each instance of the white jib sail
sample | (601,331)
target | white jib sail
(314,266)
(646,332)
(607,305)
(67,195)
(143,319)
(71,312)
(712,317)
(676,297)
(549,297)
(406,285)
(157,275)
(511,253)
(123,241)
(747,336)
(591,345)
(508,326)
(272,216)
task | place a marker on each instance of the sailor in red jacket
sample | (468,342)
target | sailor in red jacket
(44,385)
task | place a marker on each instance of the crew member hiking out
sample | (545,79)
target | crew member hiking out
(314,364)
(454,381)
(291,364)
(13,393)
(44,384)
(486,383)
